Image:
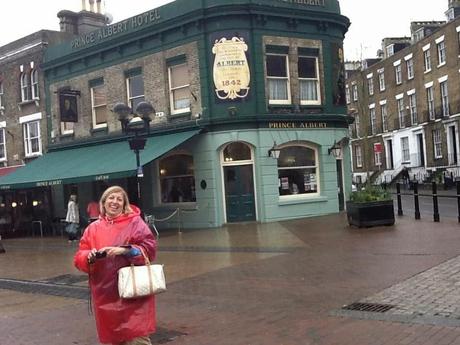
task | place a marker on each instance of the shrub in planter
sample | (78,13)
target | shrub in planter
(370,206)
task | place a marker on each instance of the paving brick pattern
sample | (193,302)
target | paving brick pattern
(289,293)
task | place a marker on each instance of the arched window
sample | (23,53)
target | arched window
(2,104)
(177,180)
(298,170)
(34,84)
(26,91)
(237,151)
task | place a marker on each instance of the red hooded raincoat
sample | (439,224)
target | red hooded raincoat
(117,320)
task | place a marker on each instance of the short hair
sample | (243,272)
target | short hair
(73,197)
(115,189)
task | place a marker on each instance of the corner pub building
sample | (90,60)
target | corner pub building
(248,100)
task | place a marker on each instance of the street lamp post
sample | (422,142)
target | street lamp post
(137,123)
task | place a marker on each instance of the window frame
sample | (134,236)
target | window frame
(3,145)
(317,79)
(430,102)
(93,106)
(34,85)
(405,150)
(303,196)
(444,91)
(441,48)
(413,108)
(427,60)
(373,119)
(181,87)
(398,74)
(359,156)
(437,143)
(25,83)
(400,111)
(370,85)
(130,97)
(410,69)
(287,78)
(160,179)
(381,76)
(384,114)
(2,95)
(28,144)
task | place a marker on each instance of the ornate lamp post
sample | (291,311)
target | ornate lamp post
(137,123)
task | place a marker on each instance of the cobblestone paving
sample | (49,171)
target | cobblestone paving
(432,296)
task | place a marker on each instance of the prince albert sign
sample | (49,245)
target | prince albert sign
(68,106)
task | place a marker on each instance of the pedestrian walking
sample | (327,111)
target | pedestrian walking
(114,241)
(92,210)
(72,218)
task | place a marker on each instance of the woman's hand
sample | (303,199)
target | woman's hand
(92,256)
(114,251)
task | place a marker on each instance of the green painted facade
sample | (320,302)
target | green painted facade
(288,25)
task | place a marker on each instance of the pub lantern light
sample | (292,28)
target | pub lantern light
(335,149)
(274,152)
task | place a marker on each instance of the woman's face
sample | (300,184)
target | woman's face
(113,205)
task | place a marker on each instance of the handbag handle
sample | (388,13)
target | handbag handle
(146,258)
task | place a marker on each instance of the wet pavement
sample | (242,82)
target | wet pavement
(292,282)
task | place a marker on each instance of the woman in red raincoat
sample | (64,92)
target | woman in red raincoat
(121,234)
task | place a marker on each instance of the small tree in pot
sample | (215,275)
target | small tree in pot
(370,206)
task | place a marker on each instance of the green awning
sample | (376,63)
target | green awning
(90,163)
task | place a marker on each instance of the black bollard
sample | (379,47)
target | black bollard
(458,199)
(435,203)
(398,194)
(416,204)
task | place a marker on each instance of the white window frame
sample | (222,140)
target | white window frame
(398,74)
(357,124)
(28,147)
(401,113)
(180,87)
(354,89)
(347,94)
(2,95)
(427,58)
(377,156)
(370,84)
(316,80)
(94,106)
(390,50)
(413,107)
(430,100)
(359,156)
(384,114)
(287,79)
(405,149)
(437,143)
(26,91)
(34,84)
(3,142)
(381,74)
(317,173)
(372,118)
(441,49)
(444,97)
(410,68)
(132,98)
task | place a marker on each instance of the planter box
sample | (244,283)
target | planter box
(371,213)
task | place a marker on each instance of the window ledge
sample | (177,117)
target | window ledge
(305,200)
(67,135)
(99,130)
(180,115)
(29,101)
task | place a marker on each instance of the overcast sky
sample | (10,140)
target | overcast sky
(23,17)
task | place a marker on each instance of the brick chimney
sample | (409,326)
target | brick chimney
(83,21)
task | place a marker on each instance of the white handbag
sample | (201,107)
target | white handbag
(138,281)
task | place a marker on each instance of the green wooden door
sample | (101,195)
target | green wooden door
(239,193)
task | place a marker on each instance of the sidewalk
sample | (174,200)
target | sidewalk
(269,284)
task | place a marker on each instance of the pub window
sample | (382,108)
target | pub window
(309,80)
(237,151)
(278,78)
(298,171)
(99,106)
(179,88)
(135,88)
(177,180)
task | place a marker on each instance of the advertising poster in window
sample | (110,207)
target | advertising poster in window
(338,75)
(231,72)
(68,107)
